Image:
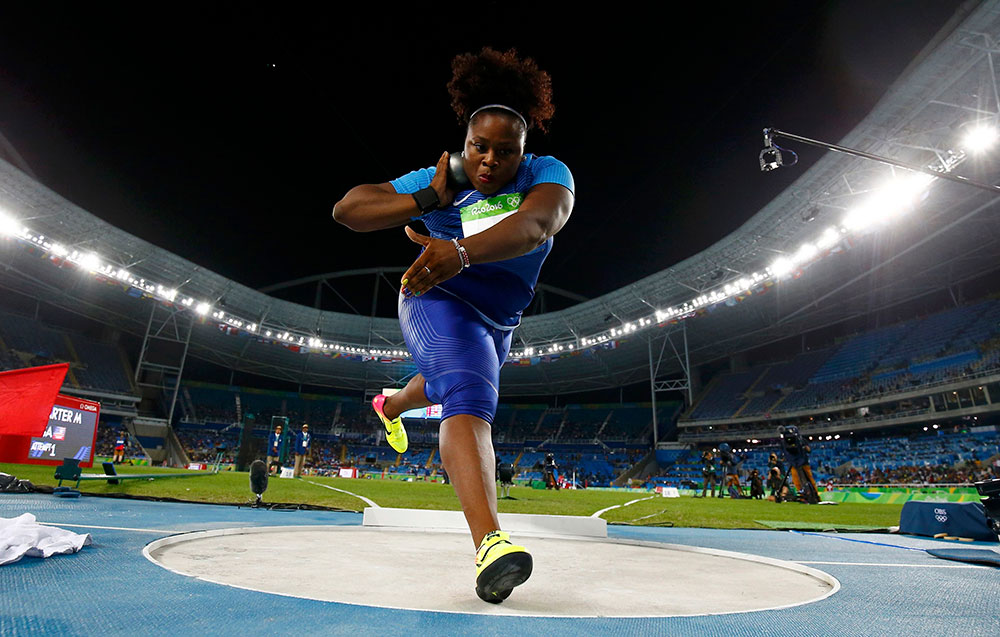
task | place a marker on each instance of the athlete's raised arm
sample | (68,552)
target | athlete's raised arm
(371,207)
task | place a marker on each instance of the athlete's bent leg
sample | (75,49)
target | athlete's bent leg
(412,396)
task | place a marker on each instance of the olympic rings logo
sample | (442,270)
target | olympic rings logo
(514,200)
(941,518)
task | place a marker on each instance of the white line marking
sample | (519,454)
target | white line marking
(360,497)
(110,528)
(598,514)
(900,565)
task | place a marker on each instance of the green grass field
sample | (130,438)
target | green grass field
(233,487)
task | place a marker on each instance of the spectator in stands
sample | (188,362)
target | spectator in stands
(302,442)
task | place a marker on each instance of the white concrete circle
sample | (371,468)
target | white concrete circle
(435,571)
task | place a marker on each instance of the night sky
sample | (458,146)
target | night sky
(225,134)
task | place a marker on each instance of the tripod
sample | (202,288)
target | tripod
(808,491)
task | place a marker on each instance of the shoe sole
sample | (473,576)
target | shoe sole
(498,579)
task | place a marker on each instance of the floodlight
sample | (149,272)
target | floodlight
(90,261)
(782,266)
(859,218)
(202,308)
(828,239)
(892,199)
(8,225)
(806,252)
(979,138)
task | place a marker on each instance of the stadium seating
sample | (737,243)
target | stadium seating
(103,366)
(31,337)
(895,358)
(93,364)
(935,457)
(726,395)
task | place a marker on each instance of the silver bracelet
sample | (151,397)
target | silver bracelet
(462,253)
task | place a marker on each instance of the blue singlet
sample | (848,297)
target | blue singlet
(459,332)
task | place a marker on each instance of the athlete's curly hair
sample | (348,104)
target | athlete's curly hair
(494,77)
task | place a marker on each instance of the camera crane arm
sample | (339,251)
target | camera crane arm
(771,158)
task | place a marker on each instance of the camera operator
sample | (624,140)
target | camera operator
(733,478)
(505,475)
(797,454)
(549,469)
(708,472)
(777,484)
(772,462)
(989,492)
(730,479)
(756,485)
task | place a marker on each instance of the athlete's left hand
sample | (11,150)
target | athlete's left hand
(437,263)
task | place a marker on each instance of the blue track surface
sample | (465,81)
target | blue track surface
(110,588)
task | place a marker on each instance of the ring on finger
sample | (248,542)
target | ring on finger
(427,269)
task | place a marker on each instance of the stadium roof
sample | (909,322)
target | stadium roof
(947,235)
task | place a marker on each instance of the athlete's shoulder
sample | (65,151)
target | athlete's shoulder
(540,162)
(547,169)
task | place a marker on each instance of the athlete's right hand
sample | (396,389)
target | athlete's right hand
(440,182)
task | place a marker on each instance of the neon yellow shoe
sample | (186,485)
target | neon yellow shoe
(395,433)
(500,566)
